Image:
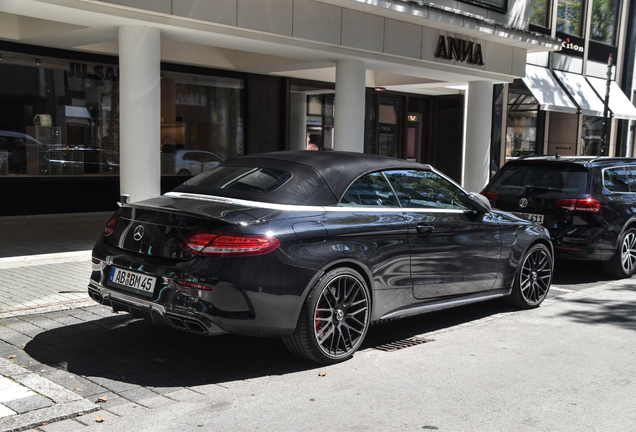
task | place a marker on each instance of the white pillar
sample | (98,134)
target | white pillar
(478,127)
(139,111)
(298,121)
(349,107)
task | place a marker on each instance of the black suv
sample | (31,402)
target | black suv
(587,203)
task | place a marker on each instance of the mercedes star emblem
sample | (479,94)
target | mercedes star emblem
(523,203)
(138,233)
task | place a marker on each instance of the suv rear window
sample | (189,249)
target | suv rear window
(248,179)
(556,177)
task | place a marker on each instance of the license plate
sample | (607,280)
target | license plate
(134,281)
(538,218)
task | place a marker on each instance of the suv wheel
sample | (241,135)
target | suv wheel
(623,263)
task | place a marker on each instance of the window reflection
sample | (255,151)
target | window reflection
(569,14)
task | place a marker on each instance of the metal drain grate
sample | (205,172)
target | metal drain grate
(401,344)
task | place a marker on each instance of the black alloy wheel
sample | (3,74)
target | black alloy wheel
(623,263)
(334,319)
(534,277)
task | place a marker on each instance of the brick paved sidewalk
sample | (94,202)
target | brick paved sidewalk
(28,400)
(41,283)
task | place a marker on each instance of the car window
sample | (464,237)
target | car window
(617,179)
(249,179)
(370,190)
(426,189)
(555,177)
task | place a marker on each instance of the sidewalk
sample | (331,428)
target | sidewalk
(27,400)
(45,261)
(44,267)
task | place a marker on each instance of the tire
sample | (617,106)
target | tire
(533,278)
(334,319)
(623,264)
(184,172)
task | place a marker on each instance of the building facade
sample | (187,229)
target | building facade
(103,98)
(560,105)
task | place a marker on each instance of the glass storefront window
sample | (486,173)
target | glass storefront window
(201,122)
(569,17)
(311,117)
(540,13)
(591,136)
(603,21)
(521,126)
(61,118)
(58,117)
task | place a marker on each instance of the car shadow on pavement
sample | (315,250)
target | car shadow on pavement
(116,350)
(572,272)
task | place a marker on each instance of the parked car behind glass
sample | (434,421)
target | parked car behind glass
(587,203)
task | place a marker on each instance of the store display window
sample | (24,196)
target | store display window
(201,122)
(521,125)
(591,136)
(60,117)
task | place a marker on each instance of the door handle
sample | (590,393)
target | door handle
(423,229)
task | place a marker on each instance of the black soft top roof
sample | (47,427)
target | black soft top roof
(318,177)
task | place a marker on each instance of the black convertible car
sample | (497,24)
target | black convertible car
(313,247)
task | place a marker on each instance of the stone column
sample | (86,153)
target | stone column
(478,131)
(298,121)
(140,111)
(349,106)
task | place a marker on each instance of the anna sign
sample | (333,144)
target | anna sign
(461,50)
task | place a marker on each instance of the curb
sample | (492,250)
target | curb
(66,403)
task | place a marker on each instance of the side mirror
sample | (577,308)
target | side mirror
(479,203)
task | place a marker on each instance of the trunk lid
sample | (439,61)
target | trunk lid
(157,226)
(531,190)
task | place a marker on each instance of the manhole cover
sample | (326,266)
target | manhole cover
(401,344)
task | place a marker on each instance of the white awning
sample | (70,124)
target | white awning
(77,112)
(582,93)
(619,103)
(547,91)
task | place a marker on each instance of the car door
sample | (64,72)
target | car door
(368,225)
(454,250)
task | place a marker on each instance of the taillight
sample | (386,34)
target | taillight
(110,226)
(583,205)
(194,285)
(492,197)
(220,244)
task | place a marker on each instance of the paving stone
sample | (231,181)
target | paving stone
(112,383)
(5,412)
(29,403)
(137,394)
(91,419)
(62,426)
(112,400)
(73,382)
(184,395)
(128,409)
(156,402)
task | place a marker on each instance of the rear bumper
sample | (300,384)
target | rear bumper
(157,313)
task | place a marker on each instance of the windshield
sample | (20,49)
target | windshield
(556,177)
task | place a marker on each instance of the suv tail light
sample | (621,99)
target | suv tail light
(220,244)
(583,205)
(492,197)
(110,226)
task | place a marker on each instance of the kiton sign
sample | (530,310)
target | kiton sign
(566,44)
(450,48)
(103,73)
